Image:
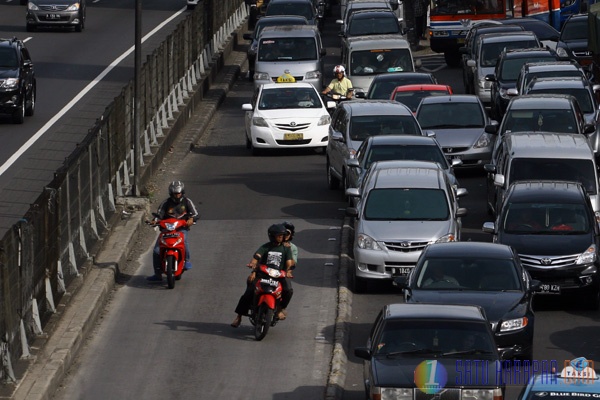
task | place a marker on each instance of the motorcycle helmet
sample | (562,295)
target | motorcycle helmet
(289,227)
(274,230)
(174,188)
(339,68)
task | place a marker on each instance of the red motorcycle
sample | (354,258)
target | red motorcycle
(172,247)
(267,296)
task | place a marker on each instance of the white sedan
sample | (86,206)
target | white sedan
(286,115)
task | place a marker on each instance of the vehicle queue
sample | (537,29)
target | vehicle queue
(397,196)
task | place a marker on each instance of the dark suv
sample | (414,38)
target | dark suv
(17,80)
(573,41)
(553,227)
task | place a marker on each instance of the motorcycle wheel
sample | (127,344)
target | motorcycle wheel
(263,321)
(170,275)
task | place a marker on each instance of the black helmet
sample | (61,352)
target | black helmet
(274,230)
(176,187)
(289,226)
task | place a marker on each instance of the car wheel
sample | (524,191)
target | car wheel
(18,116)
(347,199)
(248,141)
(30,28)
(255,151)
(30,108)
(332,182)
(79,27)
(358,285)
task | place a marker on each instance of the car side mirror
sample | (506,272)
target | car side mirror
(456,162)
(401,282)
(461,192)
(362,352)
(461,212)
(331,104)
(429,133)
(360,95)
(490,168)
(351,212)
(337,136)
(339,21)
(247,107)
(471,63)
(534,285)
(589,128)
(512,92)
(352,192)
(489,227)
(490,78)
(352,163)
(491,128)
(323,52)
(417,63)
(499,180)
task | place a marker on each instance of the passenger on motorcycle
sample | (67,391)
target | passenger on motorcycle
(176,206)
(340,84)
(277,255)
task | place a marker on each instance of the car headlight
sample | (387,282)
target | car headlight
(324,120)
(32,7)
(562,52)
(261,76)
(393,393)
(367,242)
(313,75)
(11,83)
(481,394)
(446,238)
(588,256)
(483,84)
(73,7)
(259,121)
(503,94)
(513,324)
(483,141)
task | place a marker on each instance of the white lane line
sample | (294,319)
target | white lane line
(74,101)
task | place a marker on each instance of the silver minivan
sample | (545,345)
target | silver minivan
(293,49)
(403,206)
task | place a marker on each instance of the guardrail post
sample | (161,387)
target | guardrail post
(73,260)
(24,345)
(9,375)
(35,314)
(60,279)
(49,296)
(82,241)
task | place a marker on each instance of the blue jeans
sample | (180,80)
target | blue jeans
(156,252)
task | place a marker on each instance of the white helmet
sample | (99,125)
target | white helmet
(339,68)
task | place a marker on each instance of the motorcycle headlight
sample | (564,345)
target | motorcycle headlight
(313,75)
(261,76)
(324,120)
(11,83)
(446,238)
(393,393)
(481,394)
(73,7)
(367,242)
(588,256)
(170,226)
(513,324)
(32,7)
(562,52)
(259,121)
(483,141)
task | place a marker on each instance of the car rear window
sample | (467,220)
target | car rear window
(361,127)
(562,169)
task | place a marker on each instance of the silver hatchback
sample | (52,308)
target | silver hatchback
(402,207)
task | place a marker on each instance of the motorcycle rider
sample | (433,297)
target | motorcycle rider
(177,205)
(340,84)
(277,255)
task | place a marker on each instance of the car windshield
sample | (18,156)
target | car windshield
(405,152)
(451,115)
(381,89)
(547,120)
(562,169)
(511,67)
(373,62)
(583,96)
(412,98)
(575,30)
(399,204)
(361,127)
(467,273)
(416,338)
(287,49)
(380,25)
(273,99)
(281,8)
(491,51)
(8,58)
(545,219)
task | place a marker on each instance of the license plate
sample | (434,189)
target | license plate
(53,16)
(293,136)
(549,289)
(401,271)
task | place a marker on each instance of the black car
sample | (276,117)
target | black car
(573,41)
(469,50)
(544,31)
(383,85)
(17,80)
(487,274)
(507,71)
(408,340)
(304,8)
(273,20)
(552,226)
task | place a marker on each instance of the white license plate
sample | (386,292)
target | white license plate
(401,271)
(549,289)
(53,16)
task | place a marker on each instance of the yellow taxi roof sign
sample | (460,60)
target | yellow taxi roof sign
(286,78)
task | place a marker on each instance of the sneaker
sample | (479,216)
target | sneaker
(154,278)
(187,265)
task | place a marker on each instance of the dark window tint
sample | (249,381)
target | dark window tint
(562,169)
(361,127)
(407,205)
(406,152)
(450,115)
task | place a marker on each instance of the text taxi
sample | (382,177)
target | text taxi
(577,380)
(285,115)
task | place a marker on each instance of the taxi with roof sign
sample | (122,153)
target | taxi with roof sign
(285,115)
(578,379)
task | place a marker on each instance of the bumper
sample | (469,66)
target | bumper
(9,102)
(53,18)
(521,342)
(472,158)
(564,280)
(267,138)
(381,264)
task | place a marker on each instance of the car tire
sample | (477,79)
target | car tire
(248,141)
(333,183)
(255,151)
(358,285)
(191,6)
(30,28)
(30,106)
(79,27)
(18,116)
